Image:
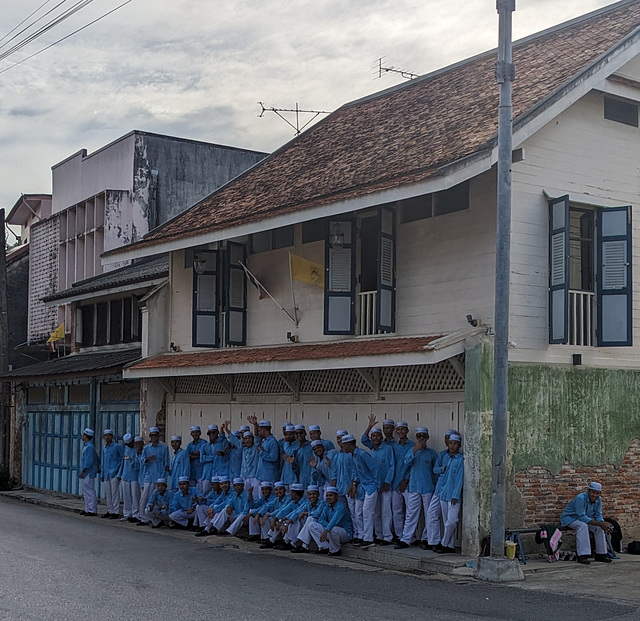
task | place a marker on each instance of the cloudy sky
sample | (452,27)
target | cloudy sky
(197,68)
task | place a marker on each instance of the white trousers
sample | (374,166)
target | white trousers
(131,498)
(583,545)
(305,532)
(218,520)
(156,516)
(200,515)
(292,531)
(450,515)
(358,527)
(145,494)
(366,511)
(180,517)
(204,486)
(89,494)
(416,503)
(252,482)
(434,526)
(398,501)
(337,536)
(112,495)
(236,525)
(384,516)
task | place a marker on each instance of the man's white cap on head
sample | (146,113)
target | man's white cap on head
(376,430)
(161,480)
(448,432)
(245,428)
(316,443)
(183,479)
(88,432)
(126,438)
(341,432)
(595,486)
(455,437)
(422,430)
(138,439)
(264,423)
(388,421)
(195,428)
(402,423)
(299,428)
(314,427)
(176,438)
(154,430)
(212,428)
(107,432)
(289,427)
(247,434)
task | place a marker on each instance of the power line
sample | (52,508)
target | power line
(25,19)
(67,36)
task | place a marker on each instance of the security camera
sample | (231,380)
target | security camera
(473,322)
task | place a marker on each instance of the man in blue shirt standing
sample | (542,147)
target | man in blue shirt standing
(268,451)
(451,494)
(193,449)
(88,471)
(155,465)
(584,515)
(112,454)
(180,466)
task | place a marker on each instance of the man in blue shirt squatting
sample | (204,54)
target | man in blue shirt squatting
(111,460)
(421,460)
(248,517)
(155,465)
(451,495)
(268,451)
(180,466)
(332,527)
(159,504)
(363,491)
(584,515)
(88,471)
(193,449)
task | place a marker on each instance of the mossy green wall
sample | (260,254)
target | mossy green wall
(587,416)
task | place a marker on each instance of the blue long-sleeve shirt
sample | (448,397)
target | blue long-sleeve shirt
(160,501)
(342,471)
(196,467)
(581,508)
(249,456)
(268,459)
(111,460)
(183,502)
(288,474)
(439,469)
(321,474)
(422,480)
(313,511)
(130,466)
(274,505)
(235,458)
(89,460)
(154,469)
(338,515)
(385,462)
(366,472)
(453,479)
(303,467)
(180,467)
(214,464)
(401,472)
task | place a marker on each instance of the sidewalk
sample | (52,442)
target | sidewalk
(617,580)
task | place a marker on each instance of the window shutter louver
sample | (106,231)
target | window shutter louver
(559,270)
(236,298)
(386,294)
(339,282)
(205,302)
(614,277)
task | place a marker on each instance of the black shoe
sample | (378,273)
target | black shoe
(367,544)
(105,516)
(401,545)
(437,547)
(584,560)
(254,538)
(90,515)
(83,513)
(448,550)
(603,558)
(223,533)
(203,533)
(159,525)
(416,543)
(323,551)
(143,523)
(114,516)
(280,545)
(356,542)
(267,544)
(384,542)
(425,545)
(338,553)
(299,550)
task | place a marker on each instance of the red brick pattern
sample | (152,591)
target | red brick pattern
(546,495)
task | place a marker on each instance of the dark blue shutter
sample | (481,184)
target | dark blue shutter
(559,270)
(235,325)
(339,281)
(614,277)
(386,294)
(205,331)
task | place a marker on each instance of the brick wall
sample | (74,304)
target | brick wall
(43,278)
(545,494)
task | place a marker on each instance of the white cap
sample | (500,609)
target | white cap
(88,432)
(402,423)
(162,480)
(279,484)
(316,443)
(195,428)
(348,438)
(238,433)
(154,430)
(215,479)
(331,490)
(138,439)
(247,434)
(264,423)
(224,479)
(597,487)
(388,421)
(300,428)
(183,479)
(245,428)
(297,487)
(448,432)
(176,438)
(314,427)
(341,432)
(238,481)
(289,427)
(268,484)
(212,428)
(376,430)
(126,438)
(313,488)
(455,437)
(422,430)
(107,432)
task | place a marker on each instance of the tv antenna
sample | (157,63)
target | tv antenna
(407,75)
(297,112)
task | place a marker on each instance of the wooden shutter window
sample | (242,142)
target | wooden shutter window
(559,270)
(339,282)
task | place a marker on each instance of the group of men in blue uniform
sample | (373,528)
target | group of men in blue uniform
(287,492)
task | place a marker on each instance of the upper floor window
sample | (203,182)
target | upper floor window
(436,204)
(109,322)
(621,111)
(274,239)
(590,285)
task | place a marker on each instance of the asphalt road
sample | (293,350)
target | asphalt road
(56,565)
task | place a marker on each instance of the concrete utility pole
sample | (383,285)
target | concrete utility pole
(497,568)
(4,346)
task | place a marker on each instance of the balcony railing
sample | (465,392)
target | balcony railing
(582,318)
(366,313)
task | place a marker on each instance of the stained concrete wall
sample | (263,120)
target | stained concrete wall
(17,308)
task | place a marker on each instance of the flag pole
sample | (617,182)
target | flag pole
(286,312)
(293,293)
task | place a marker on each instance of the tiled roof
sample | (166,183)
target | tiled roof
(141,272)
(281,353)
(406,134)
(76,365)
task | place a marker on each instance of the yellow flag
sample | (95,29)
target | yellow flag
(306,271)
(57,334)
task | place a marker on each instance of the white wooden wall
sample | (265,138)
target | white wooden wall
(581,154)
